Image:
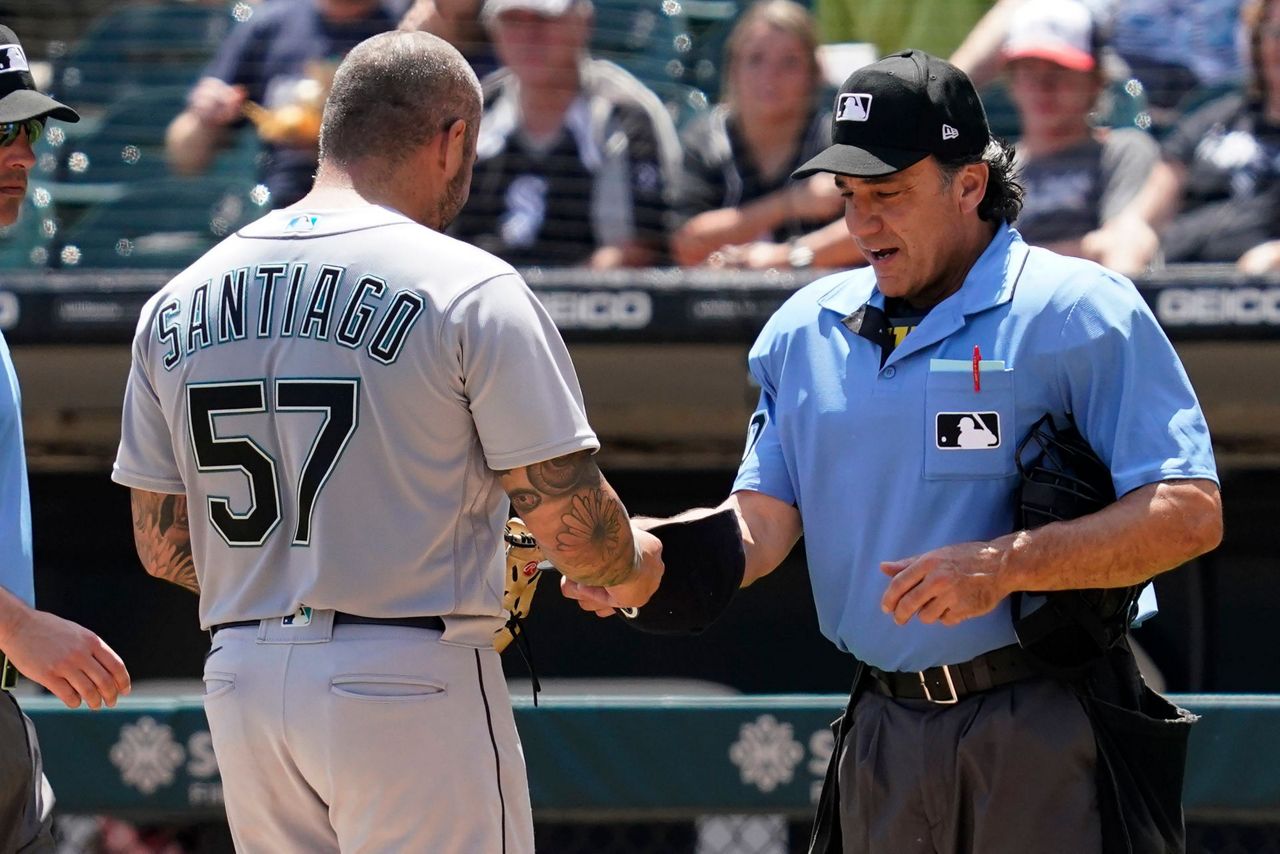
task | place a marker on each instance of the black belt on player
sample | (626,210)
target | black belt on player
(950,683)
(339,619)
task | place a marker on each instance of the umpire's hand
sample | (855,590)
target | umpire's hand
(947,585)
(68,659)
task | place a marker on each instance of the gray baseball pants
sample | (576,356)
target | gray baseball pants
(358,738)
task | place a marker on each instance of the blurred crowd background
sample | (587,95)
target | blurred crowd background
(640,133)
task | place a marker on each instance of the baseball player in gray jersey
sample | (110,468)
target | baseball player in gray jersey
(325,420)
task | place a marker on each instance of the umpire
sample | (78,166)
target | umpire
(894,400)
(69,660)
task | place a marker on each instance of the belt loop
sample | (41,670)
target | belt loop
(980,674)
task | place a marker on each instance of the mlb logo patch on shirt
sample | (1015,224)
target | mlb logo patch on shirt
(302,223)
(300,617)
(967,431)
(853,107)
(12,58)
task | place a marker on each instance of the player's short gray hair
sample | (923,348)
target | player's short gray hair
(393,93)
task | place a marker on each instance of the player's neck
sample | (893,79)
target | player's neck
(352,188)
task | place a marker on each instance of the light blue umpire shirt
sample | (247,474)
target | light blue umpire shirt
(15,503)
(886,462)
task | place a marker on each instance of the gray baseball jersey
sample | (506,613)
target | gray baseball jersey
(333,392)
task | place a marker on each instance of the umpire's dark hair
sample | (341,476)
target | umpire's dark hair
(1003,198)
(393,93)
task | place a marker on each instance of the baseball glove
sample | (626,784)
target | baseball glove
(523,571)
(1063,478)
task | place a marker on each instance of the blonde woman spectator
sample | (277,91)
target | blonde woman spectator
(740,205)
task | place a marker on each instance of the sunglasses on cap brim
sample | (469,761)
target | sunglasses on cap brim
(9,131)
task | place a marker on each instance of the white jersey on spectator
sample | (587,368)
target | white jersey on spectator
(334,391)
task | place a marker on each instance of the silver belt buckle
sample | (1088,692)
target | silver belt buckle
(951,686)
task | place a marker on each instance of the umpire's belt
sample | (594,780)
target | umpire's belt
(339,618)
(950,683)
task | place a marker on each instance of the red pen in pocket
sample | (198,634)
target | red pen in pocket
(977,373)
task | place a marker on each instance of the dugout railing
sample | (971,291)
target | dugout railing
(728,774)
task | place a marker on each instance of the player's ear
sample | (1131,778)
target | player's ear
(454,154)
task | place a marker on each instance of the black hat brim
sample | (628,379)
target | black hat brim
(859,162)
(22,104)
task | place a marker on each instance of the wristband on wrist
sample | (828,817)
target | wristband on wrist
(799,256)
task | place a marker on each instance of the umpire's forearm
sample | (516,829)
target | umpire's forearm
(1148,531)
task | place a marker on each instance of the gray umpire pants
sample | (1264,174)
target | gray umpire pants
(358,738)
(1007,771)
(26,801)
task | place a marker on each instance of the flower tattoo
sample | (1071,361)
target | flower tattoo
(592,528)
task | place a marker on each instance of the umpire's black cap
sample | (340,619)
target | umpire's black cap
(896,112)
(19,98)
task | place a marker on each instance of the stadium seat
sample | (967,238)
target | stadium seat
(158,224)
(139,46)
(25,244)
(707,55)
(126,145)
(683,102)
(646,37)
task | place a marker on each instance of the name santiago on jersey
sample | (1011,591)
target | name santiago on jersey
(245,303)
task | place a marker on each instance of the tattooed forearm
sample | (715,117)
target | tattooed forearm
(576,516)
(163,538)
(592,534)
(564,475)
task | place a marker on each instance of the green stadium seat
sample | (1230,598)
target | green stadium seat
(139,46)
(646,37)
(25,244)
(126,145)
(157,224)
(683,102)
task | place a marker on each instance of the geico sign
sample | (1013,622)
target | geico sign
(1219,306)
(598,309)
(8,310)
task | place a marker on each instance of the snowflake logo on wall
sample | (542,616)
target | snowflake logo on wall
(765,753)
(147,755)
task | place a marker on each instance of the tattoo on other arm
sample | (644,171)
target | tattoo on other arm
(163,537)
(564,474)
(592,528)
(575,512)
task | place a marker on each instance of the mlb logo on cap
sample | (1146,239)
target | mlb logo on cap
(12,58)
(924,106)
(853,107)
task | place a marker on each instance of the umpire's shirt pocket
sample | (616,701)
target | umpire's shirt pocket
(968,427)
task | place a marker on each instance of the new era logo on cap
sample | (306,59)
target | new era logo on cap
(12,58)
(853,107)
(948,132)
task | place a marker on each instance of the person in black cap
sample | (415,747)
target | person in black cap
(69,660)
(894,399)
